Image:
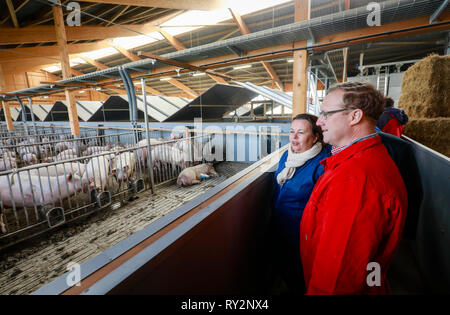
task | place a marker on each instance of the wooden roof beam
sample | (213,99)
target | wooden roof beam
(182,87)
(45,33)
(183,65)
(124,52)
(171,39)
(93,62)
(12,12)
(117,15)
(204,5)
(101,66)
(179,46)
(244,30)
(15,11)
(76,72)
(43,53)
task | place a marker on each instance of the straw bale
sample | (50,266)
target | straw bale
(426,88)
(431,132)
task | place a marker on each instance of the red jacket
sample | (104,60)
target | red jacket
(354,216)
(394,127)
(392,121)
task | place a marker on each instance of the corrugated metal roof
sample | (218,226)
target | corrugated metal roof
(116,108)
(160,107)
(214,103)
(277,96)
(41,111)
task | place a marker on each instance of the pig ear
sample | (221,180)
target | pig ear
(69,177)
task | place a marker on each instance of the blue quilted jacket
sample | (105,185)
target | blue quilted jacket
(290,198)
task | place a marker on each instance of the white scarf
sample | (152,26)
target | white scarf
(295,160)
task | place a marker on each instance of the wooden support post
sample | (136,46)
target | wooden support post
(300,82)
(344,70)
(8,118)
(300,73)
(361,61)
(65,66)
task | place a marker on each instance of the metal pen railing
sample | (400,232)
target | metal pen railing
(39,197)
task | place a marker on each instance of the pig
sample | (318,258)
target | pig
(29,159)
(96,149)
(66,154)
(123,165)
(141,153)
(7,153)
(143,143)
(61,146)
(49,159)
(7,163)
(54,189)
(117,148)
(65,157)
(58,169)
(185,146)
(98,171)
(27,149)
(167,154)
(176,135)
(192,175)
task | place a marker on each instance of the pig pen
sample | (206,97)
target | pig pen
(65,178)
(29,265)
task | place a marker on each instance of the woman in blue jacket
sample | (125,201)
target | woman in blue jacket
(298,171)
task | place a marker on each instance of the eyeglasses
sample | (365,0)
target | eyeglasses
(331,112)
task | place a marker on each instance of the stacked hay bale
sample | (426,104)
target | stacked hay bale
(425,98)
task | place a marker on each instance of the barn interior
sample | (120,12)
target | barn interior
(93,76)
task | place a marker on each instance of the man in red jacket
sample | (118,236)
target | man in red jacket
(354,218)
(392,120)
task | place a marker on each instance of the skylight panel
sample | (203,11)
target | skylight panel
(52,69)
(76,61)
(249,6)
(136,41)
(194,19)
(100,53)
